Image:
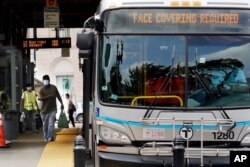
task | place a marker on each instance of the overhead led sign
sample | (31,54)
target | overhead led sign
(181,21)
(38,43)
(185,18)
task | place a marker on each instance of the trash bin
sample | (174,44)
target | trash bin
(11,124)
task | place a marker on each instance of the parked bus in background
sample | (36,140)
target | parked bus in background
(163,71)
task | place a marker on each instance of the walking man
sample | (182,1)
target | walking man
(48,95)
(29,106)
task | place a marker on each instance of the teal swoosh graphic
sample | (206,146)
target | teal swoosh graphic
(139,124)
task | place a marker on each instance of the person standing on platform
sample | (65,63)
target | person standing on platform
(71,109)
(29,107)
(48,95)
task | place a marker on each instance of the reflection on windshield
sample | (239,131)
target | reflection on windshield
(221,63)
(151,70)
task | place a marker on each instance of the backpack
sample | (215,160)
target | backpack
(73,107)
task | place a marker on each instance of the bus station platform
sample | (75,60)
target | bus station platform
(30,150)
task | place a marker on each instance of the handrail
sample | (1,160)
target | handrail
(189,152)
(172,121)
(158,97)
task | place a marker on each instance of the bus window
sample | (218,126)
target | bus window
(142,68)
(219,71)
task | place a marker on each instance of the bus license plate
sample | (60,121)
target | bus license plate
(153,133)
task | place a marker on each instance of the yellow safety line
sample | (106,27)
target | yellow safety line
(69,131)
(60,152)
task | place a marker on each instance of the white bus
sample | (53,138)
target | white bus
(166,70)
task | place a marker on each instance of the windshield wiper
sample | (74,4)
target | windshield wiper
(212,97)
(163,86)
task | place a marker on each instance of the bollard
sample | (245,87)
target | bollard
(178,152)
(79,152)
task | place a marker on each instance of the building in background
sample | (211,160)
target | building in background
(61,65)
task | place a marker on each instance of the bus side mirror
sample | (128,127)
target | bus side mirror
(94,23)
(85,43)
(99,25)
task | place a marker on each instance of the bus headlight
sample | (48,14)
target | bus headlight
(246,140)
(113,136)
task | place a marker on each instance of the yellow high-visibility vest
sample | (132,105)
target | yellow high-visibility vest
(30,100)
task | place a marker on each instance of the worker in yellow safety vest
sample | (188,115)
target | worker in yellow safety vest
(4,101)
(28,107)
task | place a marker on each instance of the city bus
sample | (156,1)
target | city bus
(162,72)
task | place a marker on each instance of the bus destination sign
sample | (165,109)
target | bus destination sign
(43,43)
(185,18)
(178,21)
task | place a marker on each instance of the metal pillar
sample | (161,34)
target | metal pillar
(11,51)
(79,152)
(178,152)
(86,98)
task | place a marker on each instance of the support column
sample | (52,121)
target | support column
(12,51)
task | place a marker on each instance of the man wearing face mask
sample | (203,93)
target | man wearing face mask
(29,106)
(48,95)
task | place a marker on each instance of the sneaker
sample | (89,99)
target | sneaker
(49,140)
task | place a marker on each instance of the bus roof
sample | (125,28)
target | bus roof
(111,4)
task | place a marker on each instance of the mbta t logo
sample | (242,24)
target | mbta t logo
(186,132)
(239,158)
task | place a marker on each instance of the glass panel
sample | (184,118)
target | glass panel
(219,71)
(142,70)
(177,21)
(64,85)
(150,70)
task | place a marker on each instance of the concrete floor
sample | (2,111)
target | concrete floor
(25,150)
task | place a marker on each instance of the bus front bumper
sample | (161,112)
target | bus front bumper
(128,160)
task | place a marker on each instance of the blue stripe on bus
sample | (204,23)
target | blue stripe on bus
(139,124)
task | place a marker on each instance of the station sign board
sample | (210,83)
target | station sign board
(51,17)
(51,3)
(65,52)
(43,43)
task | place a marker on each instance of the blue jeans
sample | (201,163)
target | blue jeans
(48,125)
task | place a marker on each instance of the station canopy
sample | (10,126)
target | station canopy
(30,13)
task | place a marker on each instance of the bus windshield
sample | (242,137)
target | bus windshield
(175,57)
(175,70)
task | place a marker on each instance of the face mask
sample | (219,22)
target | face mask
(45,82)
(29,88)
